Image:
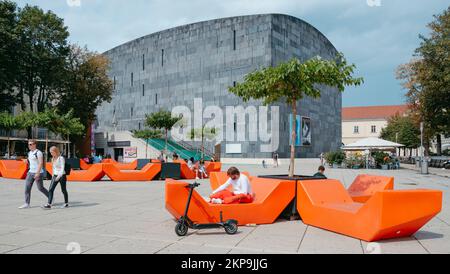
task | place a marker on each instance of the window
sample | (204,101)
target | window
(356,130)
(162,57)
(234,39)
(131,111)
(234,83)
(139,125)
(114,83)
(143,90)
(156,99)
(235,126)
(374,129)
(132,79)
(143,61)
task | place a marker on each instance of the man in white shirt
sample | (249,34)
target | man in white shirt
(242,190)
(35,173)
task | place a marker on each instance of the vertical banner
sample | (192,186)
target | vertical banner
(306,131)
(297,130)
(93,139)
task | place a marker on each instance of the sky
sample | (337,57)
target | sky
(376,35)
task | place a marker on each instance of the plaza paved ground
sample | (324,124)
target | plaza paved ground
(129,217)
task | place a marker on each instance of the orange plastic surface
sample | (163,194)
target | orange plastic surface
(84,165)
(122,166)
(147,173)
(365,186)
(213,167)
(185,171)
(387,214)
(94,173)
(13,169)
(272,197)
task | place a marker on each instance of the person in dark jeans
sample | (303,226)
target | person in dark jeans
(59,177)
(320,174)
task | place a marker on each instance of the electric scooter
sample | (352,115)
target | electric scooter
(184,223)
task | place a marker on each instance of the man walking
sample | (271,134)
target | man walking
(35,173)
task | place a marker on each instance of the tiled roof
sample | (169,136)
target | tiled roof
(372,112)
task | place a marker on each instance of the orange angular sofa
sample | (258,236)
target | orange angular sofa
(387,214)
(147,173)
(13,169)
(94,173)
(185,171)
(365,186)
(122,166)
(84,165)
(213,167)
(272,197)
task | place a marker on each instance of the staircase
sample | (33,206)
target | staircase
(184,150)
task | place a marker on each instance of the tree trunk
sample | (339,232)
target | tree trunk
(8,152)
(166,131)
(294,137)
(438,145)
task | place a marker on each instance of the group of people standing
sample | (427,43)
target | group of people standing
(36,173)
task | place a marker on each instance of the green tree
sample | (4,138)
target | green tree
(203,133)
(41,57)
(293,80)
(147,134)
(403,130)
(87,84)
(427,80)
(162,120)
(8,53)
(9,123)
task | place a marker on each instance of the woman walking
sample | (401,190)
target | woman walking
(59,176)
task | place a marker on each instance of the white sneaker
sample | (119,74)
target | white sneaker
(216,201)
(196,178)
(65,206)
(24,206)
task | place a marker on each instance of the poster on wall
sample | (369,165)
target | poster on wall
(130,152)
(297,130)
(306,131)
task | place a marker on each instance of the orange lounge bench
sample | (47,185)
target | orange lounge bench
(84,165)
(365,186)
(122,166)
(387,214)
(213,167)
(272,197)
(94,173)
(13,169)
(185,171)
(147,173)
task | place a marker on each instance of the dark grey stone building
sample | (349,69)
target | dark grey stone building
(201,60)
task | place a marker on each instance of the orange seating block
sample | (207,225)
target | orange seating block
(147,173)
(387,214)
(213,167)
(84,165)
(217,179)
(185,171)
(13,169)
(272,197)
(122,166)
(365,186)
(94,173)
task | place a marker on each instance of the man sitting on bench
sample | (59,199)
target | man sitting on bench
(242,190)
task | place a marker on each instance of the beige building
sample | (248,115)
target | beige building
(363,122)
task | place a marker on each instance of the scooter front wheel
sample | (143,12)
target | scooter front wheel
(181,229)
(231,228)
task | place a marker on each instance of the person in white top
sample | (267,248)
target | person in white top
(242,190)
(35,173)
(59,176)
